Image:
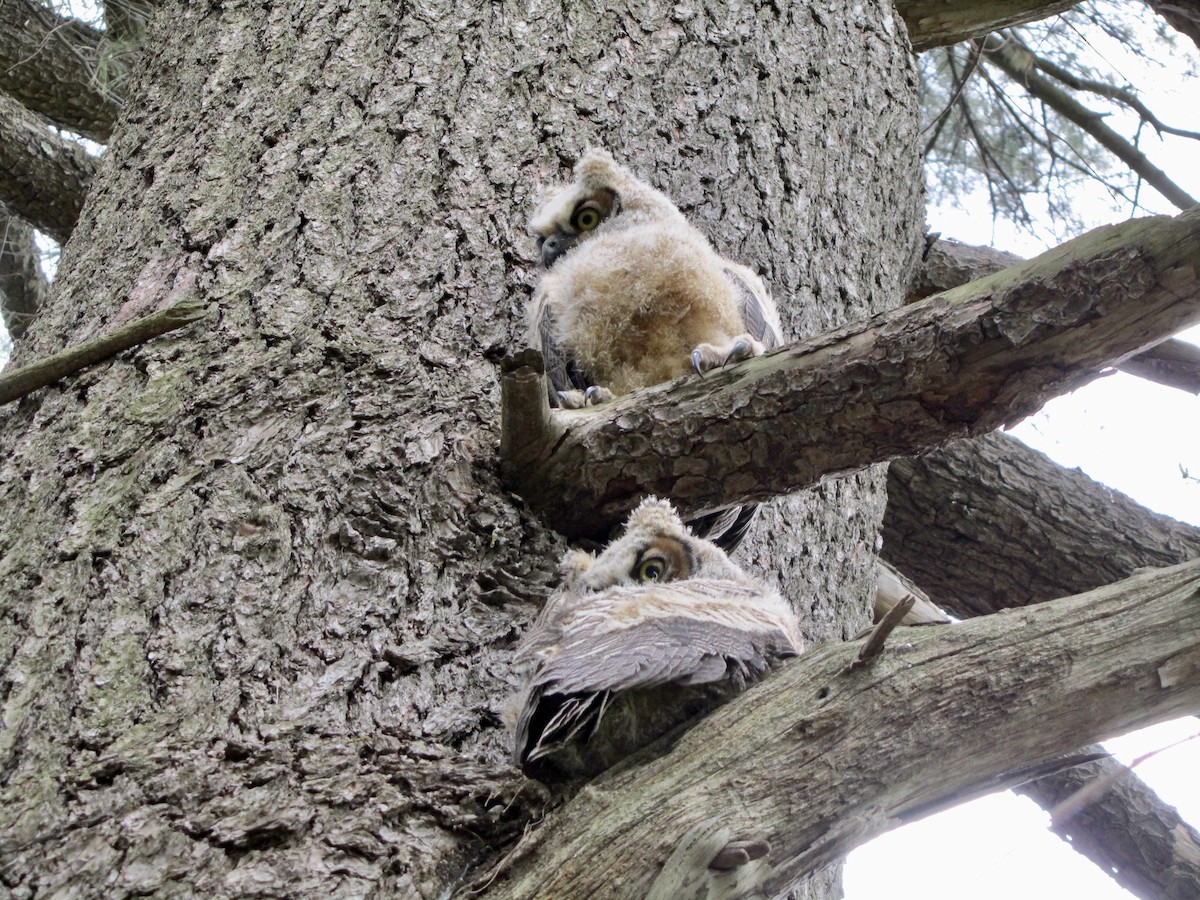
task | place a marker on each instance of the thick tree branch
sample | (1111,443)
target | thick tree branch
(43,178)
(938,23)
(957,364)
(1019,64)
(51,65)
(1142,843)
(1012,690)
(22,284)
(989,524)
(948,264)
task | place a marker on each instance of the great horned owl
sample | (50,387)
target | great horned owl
(634,295)
(660,627)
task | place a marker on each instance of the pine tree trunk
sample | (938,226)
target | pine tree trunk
(261,583)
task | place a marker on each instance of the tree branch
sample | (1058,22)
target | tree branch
(948,264)
(43,178)
(1182,15)
(14,385)
(22,284)
(989,524)
(936,23)
(1164,858)
(1019,64)
(956,364)
(771,766)
(50,65)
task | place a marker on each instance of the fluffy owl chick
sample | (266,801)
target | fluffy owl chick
(634,295)
(657,629)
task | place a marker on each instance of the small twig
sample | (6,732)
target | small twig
(25,380)
(887,624)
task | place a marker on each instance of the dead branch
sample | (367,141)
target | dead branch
(936,23)
(14,385)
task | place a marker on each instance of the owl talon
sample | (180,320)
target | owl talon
(697,360)
(596,395)
(742,349)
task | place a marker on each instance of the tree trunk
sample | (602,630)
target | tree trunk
(260,581)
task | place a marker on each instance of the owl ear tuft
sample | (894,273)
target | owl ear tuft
(653,514)
(597,169)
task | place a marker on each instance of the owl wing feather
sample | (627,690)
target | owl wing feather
(696,632)
(753,314)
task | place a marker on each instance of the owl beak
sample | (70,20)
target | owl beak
(555,245)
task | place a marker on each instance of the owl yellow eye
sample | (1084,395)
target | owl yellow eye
(587,217)
(651,569)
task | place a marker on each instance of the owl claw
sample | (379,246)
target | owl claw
(697,361)
(596,394)
(741,349)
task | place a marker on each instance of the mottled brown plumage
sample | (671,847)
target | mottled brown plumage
(659,627)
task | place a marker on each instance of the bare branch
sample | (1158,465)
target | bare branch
(1018,63)
(770,766)
(988,524)
(50,65)
(43,178)
(936,23)
(956,364)
(16,384)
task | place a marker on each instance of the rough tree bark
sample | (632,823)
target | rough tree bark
(260,580)
(22,284)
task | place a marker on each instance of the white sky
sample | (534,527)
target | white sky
(1134,436)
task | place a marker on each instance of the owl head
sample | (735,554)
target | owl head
(603,196)
(656,546)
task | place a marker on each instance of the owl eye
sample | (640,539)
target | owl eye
(651,569)
(587,217)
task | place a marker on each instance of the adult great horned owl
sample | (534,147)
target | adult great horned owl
(633,294)
(658,628)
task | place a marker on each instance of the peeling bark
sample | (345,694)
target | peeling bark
(954,365)
(771,765)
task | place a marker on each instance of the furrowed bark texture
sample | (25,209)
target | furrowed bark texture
(53,67)
(43,178)
(22,284)
(989,524)
(981,698)
(948,264)
(938,23)
(957,364)
(260,582)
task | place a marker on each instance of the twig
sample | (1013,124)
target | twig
(874,645)
(25,380)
